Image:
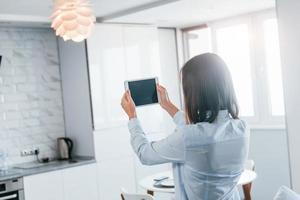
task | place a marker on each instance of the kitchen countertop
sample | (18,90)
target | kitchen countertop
(22,170)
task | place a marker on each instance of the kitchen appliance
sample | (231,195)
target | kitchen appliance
(65,147)
(12,189)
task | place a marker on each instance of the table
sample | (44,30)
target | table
(247,177)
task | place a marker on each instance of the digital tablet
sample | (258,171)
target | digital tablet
(143,91)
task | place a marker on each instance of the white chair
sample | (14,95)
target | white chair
(127,196)
(250,165)
(284,193)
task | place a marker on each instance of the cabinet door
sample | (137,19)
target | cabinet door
(169,72)
(113,143)
(141,52)
(113,175)
(142,61)
(107,74)
(80,183)
(46,186)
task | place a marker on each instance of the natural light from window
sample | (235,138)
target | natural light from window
(273,66)
(250,47)
(233,46)
(199,42)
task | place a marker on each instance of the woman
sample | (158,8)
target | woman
(210,144)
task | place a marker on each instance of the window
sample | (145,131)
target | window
(199,41)
(228,40)
(273,66)
(250,47)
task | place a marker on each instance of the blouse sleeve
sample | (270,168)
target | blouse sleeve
(169,149)
(179,118)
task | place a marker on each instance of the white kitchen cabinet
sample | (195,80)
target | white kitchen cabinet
(115,174)
(107,74)
(112,143)
(80,183)
(46,186)
(75,183)
(117,53)
(141,51)
(169,72)
(143,61)
(115,160)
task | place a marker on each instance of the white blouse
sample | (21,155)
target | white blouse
(208,158)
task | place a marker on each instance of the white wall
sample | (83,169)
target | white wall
(268,148)
(31,110)
(76,96)
(289,33)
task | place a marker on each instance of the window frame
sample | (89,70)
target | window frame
(262,106)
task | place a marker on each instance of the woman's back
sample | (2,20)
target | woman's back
(214,158)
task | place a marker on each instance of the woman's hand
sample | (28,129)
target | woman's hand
(165,102)
(128,105)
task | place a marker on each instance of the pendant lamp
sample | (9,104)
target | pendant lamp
(72,19)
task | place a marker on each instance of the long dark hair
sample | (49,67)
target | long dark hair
(207,88)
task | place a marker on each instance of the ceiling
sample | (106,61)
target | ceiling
(42,8)
(193,12)
(26,7)
(178,13)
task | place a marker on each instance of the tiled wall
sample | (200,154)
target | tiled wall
(31,110)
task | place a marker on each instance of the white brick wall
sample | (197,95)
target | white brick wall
(31,110)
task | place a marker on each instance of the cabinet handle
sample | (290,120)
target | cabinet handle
(8,197)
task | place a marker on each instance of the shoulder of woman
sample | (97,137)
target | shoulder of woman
(192,130)
(242,124)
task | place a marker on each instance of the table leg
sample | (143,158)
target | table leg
(122,197)
(247,191)
(150,192)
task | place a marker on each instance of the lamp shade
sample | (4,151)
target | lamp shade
(72,19)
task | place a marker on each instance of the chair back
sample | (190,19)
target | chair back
(128,196)
(285,193)
(250,165)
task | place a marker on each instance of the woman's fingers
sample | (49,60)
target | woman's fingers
(161,87)
(124,100)
(163,93)
(128,96)
(128,105)
(161,90)
(128,99)
(164,99)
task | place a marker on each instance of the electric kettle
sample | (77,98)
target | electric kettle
(65,146)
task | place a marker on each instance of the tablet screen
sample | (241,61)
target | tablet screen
(143,92)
